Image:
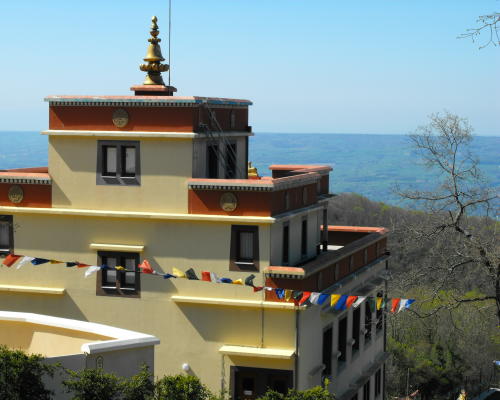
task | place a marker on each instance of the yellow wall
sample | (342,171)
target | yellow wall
(165,166)
(189,333)
(48,341)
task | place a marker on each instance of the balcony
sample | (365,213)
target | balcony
(349,249)
(287,190)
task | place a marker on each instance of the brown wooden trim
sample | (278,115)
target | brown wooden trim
(118,291)
(234,265)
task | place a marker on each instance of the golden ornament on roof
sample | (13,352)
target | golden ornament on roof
(154,67)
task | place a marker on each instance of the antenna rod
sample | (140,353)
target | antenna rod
(169,38)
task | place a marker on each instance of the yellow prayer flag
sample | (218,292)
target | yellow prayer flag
(379,302)
(288,294)
(55,262)
(119,268)
(333,299)
(178,273)
(238,282)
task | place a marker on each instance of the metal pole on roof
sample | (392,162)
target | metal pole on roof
(169,38)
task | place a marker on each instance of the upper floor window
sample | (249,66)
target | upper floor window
(378,382)
(232,119)
(231,159)
(366,391)
(342,340)
(118,162)
(6,235)
(286,244)
(213,161)
(303,246)
(124,282)
(356,326)
(244,253)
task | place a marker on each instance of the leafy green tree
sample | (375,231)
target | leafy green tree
(92,384)
(21,375)
(140,386)
(181,387)
(316,393)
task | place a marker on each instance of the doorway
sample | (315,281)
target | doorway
(251,383)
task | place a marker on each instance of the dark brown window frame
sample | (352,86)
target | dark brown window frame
(239,265)
(285,246)
(118,290)
(304,251)
(120,177)
(10,220)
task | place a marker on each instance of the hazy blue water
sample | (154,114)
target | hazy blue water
(367,164)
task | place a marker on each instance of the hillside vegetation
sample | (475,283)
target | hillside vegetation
(444,344)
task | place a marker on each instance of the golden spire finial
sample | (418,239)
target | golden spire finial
(154,67)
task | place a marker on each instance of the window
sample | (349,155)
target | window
(303,247)
(327,351)
(342,342)
(6,235)
(231,161)
(213,161)
(118,162)
(286,244)
(368,322)
(378,383)
(356,321)
(121,283)
(232,119)
(366,391)
(244,253)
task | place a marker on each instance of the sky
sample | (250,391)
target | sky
(312,66)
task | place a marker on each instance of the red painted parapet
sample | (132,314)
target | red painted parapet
(25,187)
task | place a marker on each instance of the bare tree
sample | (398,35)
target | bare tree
(459,231)
(488,24)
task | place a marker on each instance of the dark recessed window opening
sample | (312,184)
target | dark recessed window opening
(6,234)
(286,244)
(213,161)
(379,315)
(378,383)
(342,342)
(327,351)
(366,391)
(303,246)
(356,326)
(118,162)
(231,161)
(124,282)
(244,254)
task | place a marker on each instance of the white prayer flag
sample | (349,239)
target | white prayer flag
(91,270)
(24,260)
(358,301)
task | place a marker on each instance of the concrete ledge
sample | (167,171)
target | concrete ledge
(32,289)
(117,247)
(234,302)
(138,134)
(284,354)
(135,214)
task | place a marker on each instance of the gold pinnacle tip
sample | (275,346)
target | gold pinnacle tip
(154,67)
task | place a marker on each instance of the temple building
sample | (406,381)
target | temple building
(165,178)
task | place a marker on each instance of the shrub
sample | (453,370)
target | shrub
(140,386)
(92,384)
(21,375)
(181,387)
(316,393)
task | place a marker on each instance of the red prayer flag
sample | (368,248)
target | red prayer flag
(258,288)
(145,267)
(10,260)
(80,265)
(205,276)
(395,303)
(350,300)
(305,296)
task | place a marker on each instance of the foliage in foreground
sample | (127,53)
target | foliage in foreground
(316,393)
(21,375)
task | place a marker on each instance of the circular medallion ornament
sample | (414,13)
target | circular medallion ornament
(120,118)
(228,202)
(16,194)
